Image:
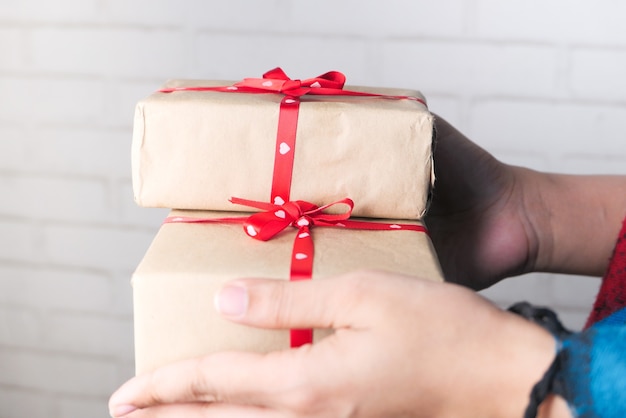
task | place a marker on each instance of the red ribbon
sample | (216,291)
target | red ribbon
(281,212)
(303,216)
(276,81)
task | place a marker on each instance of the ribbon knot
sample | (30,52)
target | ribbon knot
(299,214)
(276,80)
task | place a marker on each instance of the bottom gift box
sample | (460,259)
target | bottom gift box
(187,263)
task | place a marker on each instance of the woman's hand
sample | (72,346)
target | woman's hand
(402,347)
(478,219)
(489,220)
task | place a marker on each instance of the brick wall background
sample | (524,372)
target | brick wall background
(537,83)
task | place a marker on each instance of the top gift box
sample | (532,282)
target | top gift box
(198,143)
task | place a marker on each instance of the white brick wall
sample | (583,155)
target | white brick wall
(538,84)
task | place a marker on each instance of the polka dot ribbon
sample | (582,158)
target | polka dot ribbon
(273,219)
(281,212)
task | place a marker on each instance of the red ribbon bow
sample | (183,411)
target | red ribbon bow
(299,214)
(265,225)
(277,81)
(303,216)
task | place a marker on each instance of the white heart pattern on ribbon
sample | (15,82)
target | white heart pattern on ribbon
(316,85)
(304,235)
(279,201)
(394,226)
(280,214)
(251,231)
(301,256)
(267,83)
(284,148)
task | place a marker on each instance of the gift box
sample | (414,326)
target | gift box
(188,262)
(196,143)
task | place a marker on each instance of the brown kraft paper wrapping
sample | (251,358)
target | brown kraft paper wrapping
(195,150)
(186,264)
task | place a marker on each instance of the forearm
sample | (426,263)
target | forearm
(575,219)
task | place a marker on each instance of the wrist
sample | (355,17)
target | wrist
(534,215)
(573,220)
(527,351)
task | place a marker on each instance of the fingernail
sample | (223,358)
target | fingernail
(232,301)
(122,410)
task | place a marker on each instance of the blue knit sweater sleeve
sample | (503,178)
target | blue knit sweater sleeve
(592,372)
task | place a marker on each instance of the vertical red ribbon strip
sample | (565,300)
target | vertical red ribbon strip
(285,149)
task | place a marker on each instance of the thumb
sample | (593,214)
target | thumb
(319,303)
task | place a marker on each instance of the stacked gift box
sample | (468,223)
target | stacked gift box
(272,178)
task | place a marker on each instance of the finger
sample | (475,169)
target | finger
(206,410)
(221,377)
(320,303)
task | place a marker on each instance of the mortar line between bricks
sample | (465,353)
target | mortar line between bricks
(603,47)
(55,395)
(117,317)
(569,101)
(245,33)
(596,156)
(27,74)
(33,74)
(98,313)
(62,354)
(471,41)
(29,390)
(88,24)
(37,125)
(56,268)
(72,268)
(66,312)
(112,225)
(53,175)
(107,129)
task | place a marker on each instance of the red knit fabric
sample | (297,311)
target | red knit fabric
(612,294)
